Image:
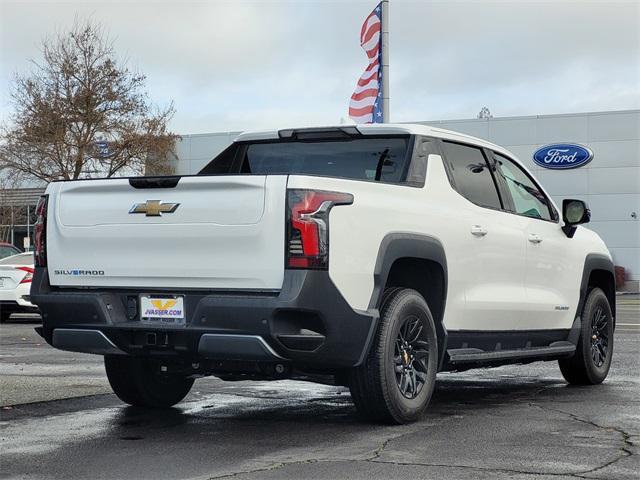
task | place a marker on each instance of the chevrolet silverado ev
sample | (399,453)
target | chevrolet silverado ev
(371,256)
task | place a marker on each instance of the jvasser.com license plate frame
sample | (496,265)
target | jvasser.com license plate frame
(162,309)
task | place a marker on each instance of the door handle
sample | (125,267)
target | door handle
(534,238)
(478,230)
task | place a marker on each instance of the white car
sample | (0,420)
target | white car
(16,274)
(378,255)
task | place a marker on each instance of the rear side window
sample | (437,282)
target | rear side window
(471,174)
(527,197)
(375,159)
(223,163)
(7,251)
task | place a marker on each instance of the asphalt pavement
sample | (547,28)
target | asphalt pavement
(59,419)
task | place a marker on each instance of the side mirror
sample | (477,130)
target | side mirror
(574,212)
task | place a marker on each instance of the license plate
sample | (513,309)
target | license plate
(162,309)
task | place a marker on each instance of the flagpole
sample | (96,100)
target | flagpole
(385,61)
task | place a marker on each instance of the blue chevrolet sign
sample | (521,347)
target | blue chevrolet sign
(561,156)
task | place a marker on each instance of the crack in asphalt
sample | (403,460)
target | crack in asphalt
(483,469)
(625,449)
(376,459)
(278,465)
(274,466)
(625,452)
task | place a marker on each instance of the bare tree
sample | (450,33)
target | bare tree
(81,113)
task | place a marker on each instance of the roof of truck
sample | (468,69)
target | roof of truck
(378,129)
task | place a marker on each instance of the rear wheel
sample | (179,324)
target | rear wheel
(397,378)
(140,382)
(592,360)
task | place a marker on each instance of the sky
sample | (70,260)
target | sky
(241,65)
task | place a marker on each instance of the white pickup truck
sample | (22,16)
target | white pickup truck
(374,256)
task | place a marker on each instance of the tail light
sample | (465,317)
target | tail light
(40,233)
(308,227)
(29,276)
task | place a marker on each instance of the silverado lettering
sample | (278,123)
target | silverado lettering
(78,272)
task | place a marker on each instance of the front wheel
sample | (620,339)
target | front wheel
(396,380)
(592,360)
(140,382)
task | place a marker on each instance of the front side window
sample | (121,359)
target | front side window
(471,174)
(527,197)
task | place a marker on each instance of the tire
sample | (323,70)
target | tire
(135,381)
(391,366)
(592,360)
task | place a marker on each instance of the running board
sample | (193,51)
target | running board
(462,356)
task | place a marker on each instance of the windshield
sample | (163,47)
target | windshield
(376,159)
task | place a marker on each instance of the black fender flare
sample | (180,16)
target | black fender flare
(399,245)
(596,261)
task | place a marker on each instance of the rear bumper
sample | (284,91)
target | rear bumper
(14,306)
(307,324)
(18,296)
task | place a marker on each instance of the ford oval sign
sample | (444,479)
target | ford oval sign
(560,156)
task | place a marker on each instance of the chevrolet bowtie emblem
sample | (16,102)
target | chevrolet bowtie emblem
(154,208)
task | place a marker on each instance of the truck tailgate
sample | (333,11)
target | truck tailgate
(227,232)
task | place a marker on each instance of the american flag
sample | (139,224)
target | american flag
(366,102)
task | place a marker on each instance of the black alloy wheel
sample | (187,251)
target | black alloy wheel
(592,359)
(599,337)
(411,357)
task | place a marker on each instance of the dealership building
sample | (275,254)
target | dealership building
(609,183)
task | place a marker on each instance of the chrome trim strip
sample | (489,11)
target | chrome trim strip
(267,346)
